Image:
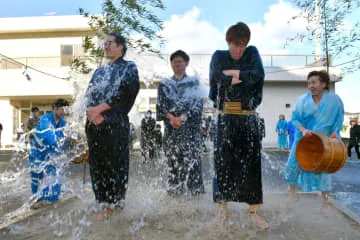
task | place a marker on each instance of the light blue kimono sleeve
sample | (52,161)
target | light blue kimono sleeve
(277,126)
(297,114)
(338,125)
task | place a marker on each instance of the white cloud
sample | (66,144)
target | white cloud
(271,35)
(188,33)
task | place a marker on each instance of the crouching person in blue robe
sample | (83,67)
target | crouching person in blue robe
(47,142)
(180,107)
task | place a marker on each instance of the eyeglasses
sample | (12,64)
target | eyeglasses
(107,43)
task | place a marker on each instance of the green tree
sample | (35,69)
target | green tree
(327,22)
(127,17)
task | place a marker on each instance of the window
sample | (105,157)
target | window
(67,52)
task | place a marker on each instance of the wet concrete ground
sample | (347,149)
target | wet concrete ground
(151,214)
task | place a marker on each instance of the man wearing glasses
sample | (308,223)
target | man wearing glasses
(110,96)
(236,85)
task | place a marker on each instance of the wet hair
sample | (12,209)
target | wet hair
(119,40)
(34,109)
(60,103)
(238,33)
(323,76)
(180,53)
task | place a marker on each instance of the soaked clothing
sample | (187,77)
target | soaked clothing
(46,144)
(281,131)
(148,137)
(325,118)
(181,145)
(237,146)
(116,84)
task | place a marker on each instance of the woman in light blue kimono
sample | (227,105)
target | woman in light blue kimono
(281,131)
(317,111)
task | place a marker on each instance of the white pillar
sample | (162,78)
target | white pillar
(6,119)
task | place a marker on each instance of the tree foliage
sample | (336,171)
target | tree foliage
(327,19)
(129,18)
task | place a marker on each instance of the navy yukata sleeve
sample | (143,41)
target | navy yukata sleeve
(161,106)
(255,73)
(123,99)
(217,77)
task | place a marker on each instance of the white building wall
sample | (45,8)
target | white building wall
(14,83)
(275,97)
(36,47)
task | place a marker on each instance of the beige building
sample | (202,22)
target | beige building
(49,43)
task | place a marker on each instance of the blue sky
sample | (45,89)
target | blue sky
(183,19)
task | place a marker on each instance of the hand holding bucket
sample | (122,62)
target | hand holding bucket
(319,153)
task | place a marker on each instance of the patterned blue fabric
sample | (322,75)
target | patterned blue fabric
(252,74)
(116,84)
(281,131)
(178,97)
(48,141)
(325,118)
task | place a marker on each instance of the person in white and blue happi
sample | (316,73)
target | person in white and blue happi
(180,106)
(47,142)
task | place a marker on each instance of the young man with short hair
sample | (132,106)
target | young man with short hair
(236,86)
(180,107)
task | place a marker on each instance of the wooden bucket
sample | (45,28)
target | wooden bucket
(319,153)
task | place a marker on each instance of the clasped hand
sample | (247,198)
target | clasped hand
(94,115)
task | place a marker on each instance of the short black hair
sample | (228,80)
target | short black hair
(34,109)
(238,33)
(60,103)
(149,111)
(180,53)
(323,76)
(119,40)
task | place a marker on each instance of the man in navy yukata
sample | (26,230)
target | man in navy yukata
(47,142)
(236,86)
(110,96)
(180,107)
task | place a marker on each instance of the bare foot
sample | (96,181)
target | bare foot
(222,217)
(103,215)
(259,221)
